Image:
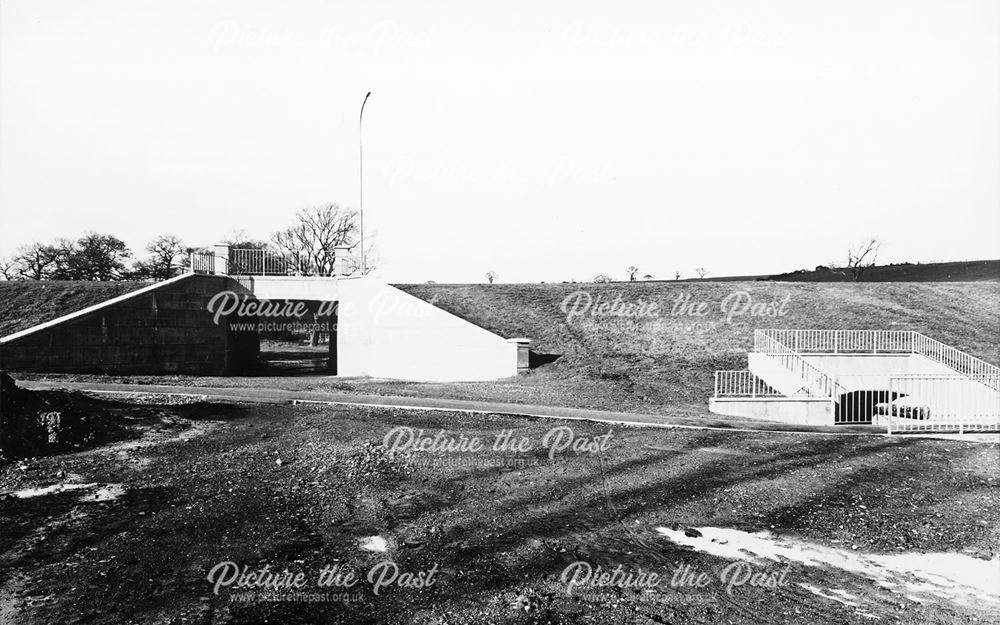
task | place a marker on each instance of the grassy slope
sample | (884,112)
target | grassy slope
(667,361)
(663,364)
(26,304)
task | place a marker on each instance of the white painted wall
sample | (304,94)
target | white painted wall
(775,374)
(384,332)
(798,411)
(875,366)
(312,288)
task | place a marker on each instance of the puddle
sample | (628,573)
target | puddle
(373,543)
(106,492)
(28,493)
(952,576)
(833,594)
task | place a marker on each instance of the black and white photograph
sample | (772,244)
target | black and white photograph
(530,313)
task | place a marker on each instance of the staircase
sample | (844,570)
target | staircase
(902,379)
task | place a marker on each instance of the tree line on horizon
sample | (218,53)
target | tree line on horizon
(104,257)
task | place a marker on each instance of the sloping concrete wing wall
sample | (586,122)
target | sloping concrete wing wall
(776,375)
(385,332)
(164,328)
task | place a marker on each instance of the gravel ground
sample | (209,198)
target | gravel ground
(307,487)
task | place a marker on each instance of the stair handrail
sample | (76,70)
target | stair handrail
(875,341)
(957,360)
(795,363)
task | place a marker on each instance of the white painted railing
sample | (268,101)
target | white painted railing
(266,262)
(937,403)
(255,262)
(877,342)
(841,341)
(742,383)
(816,383)
(966,364)
(202,263)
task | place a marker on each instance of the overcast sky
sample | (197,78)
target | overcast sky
(543,140)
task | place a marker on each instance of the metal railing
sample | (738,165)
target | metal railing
(742,383)
(966,364)
(938,403)
(260,262)
(816,382)
(879,342)
(202,263)
(268,262)
(842,341)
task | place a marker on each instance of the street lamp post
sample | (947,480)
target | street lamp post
(361,179)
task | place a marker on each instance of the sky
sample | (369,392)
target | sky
(545,141)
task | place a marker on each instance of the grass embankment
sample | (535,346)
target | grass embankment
(666,361)
(662,362)
(24,304)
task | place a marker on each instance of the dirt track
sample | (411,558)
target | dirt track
(497,529)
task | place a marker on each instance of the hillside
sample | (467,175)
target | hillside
(24,304)
(666,361)
(662,362)
(963,271)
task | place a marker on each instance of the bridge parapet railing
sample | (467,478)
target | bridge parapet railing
(268,262)
(202,263)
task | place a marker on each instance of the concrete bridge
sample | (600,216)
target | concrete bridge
(208,322)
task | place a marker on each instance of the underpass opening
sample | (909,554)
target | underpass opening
(303,341)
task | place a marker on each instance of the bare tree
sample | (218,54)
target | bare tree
(677,275)
(491,276)
(309,243)
(601,277)
(35,261)
(242,240)
(8,269)
(702,272)
(371,258)
(862,256)
(633,272)
(165,260)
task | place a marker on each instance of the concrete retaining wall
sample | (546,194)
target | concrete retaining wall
(867,371)
(163,328)
(798,411)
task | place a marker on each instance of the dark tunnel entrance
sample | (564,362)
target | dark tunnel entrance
(302,343)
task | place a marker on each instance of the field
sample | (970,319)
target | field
(130,531)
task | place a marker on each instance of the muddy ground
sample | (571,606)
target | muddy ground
(132,527)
